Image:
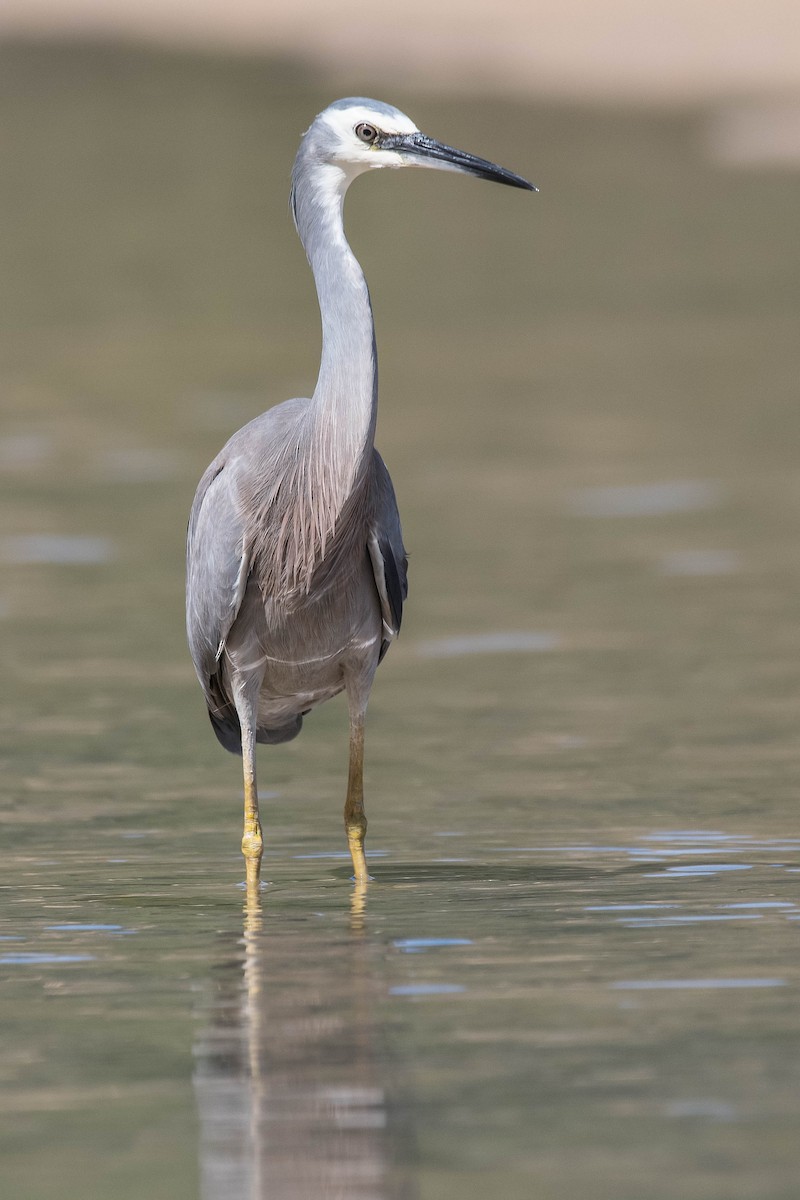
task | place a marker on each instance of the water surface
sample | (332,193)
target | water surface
(575,971)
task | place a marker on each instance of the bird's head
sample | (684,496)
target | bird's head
(359,135)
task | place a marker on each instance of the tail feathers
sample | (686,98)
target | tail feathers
(229,734)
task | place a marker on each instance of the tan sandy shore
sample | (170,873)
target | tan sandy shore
(663,50)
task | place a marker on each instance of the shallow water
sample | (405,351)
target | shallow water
(585,1017)
(574,972)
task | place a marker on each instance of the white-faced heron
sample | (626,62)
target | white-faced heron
(296,571)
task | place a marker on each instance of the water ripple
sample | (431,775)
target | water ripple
(417,945)
(60,549)
(700,562)
(646,499)
(42,959)
(426,989)
(647,985)
(499,642)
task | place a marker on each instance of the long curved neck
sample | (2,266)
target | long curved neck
(344,405)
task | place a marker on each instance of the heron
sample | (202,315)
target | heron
(296,569)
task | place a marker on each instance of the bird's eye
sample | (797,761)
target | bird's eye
(366,133)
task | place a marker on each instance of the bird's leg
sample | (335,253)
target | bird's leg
(252,841)
(355,821)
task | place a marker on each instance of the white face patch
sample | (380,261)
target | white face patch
(348,148)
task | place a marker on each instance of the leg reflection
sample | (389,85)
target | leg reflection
(294,1088)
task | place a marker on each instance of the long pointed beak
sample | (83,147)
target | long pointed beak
(422,151)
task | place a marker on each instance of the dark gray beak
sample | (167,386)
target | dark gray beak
(422,151)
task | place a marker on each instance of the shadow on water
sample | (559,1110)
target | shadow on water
(296,1090)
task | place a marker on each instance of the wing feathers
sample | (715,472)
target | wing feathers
(217,568)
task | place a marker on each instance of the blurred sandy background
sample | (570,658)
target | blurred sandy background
(624,49)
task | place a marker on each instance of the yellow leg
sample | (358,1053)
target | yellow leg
(355,821)
(252,841)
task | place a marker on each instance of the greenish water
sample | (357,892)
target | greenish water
(575,972)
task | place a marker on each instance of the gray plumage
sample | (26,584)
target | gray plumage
(296,570)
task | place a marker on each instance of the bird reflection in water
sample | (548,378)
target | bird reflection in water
(292,1077)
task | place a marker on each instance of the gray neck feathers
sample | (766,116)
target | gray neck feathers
(317,506)
(343,408)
